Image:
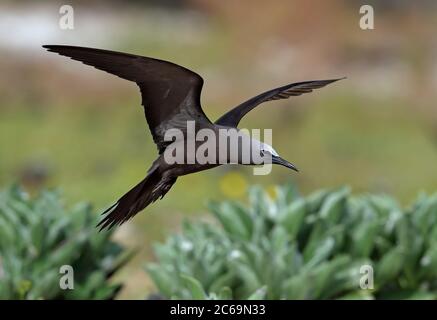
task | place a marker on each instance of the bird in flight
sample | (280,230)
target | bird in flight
(171,98)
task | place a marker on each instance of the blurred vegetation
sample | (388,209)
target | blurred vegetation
(39,235)
(294,247)
(68,125)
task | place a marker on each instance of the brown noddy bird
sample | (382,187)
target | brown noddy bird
(171,98)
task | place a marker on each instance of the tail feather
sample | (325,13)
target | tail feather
(154,186)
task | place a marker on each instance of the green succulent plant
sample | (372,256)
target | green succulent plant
(39,235)
(294,247)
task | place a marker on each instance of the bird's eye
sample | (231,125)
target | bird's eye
(262,153)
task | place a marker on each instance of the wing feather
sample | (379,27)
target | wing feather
(233,117)
(170,93)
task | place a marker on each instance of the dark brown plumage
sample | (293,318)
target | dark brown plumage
(171,97)
(170,92)
(233,117)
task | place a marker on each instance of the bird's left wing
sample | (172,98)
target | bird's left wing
(170,93)
(233,117)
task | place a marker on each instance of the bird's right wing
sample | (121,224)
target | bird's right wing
(233,117)
(170,93)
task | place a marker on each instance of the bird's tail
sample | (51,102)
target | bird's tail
(153,186)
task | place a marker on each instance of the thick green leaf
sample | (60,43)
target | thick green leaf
(258,294)
(194,286)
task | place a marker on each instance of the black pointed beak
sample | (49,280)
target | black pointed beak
(283,162)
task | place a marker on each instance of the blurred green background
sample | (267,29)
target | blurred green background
(66,125)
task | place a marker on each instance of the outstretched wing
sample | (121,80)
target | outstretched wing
(170,93)
(233,117)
